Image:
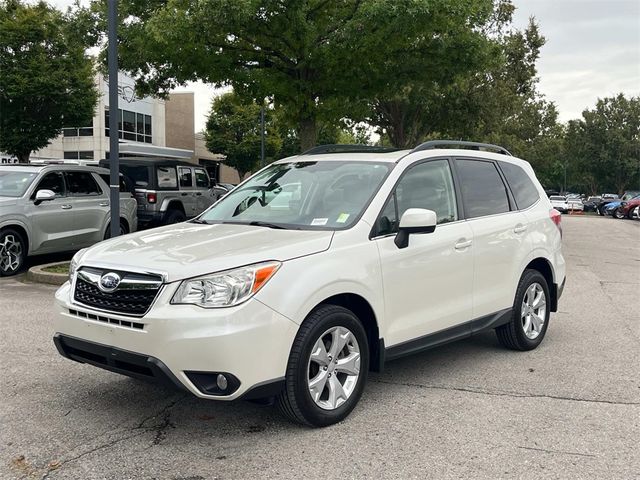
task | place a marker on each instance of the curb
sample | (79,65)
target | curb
(36,274)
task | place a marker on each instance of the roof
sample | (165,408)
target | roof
(149,161)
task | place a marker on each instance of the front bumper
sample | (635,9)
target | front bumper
(250,341)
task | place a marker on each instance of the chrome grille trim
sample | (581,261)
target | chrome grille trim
(134,296)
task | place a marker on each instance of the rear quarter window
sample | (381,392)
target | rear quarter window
(523,189)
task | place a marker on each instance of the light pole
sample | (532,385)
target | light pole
(114,156)
(262,136)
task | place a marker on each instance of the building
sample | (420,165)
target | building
(147,127)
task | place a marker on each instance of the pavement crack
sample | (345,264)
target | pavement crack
(506,394)
(561,452)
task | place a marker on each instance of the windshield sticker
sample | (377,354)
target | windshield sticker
(342,218)
(319,221)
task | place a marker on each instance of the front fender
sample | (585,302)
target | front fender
(18,220)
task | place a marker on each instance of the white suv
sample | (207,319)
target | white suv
(318,269)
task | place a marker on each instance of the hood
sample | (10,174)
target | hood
(188,250)
(8,201)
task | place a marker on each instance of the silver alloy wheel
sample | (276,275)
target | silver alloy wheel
(10,253)
(534,311)
(334,368)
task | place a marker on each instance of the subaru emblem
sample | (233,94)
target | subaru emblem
(109,282)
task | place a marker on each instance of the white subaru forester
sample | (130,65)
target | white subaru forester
(318,269)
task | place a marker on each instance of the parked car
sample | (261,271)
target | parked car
(369,256)
(167,191)
(54,208)
(611,207)
(606,199)
(627,207)
(227,186)
(574,204)
(559,203)
(591,204)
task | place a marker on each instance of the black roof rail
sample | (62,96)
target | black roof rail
(348,148)
(430,145)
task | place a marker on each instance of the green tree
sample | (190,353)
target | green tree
(46,79)
(320,61)
(604,146)
(233,129)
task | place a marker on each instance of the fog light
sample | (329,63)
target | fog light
(221,381)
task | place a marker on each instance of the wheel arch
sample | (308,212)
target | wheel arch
(172,204)
(362,309)
(543,266)
(22,231)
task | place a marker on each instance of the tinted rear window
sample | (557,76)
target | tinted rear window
(483,190)
(139,174)
(522,187)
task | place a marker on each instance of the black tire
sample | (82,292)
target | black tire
(601,211)
(618,213)
(630,213)
(12,263)
(512,335)
(174,216)
(295,401)
(123,230)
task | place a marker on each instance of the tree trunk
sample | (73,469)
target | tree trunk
(308,133)
(23,157)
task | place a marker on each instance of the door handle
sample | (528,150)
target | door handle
(66,207)
(199,194)
(104,204)
(184,194)
(519,228)
(462,244)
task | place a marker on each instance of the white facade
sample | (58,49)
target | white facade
(137,117)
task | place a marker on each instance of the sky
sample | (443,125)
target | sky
(592,51)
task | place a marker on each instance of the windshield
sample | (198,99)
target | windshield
(302,195)
(14,184)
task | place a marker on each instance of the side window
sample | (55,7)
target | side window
(107,180)
(81,184)
(202,180)
(167,177)
(52,181)
(186,177)
(483,190)
(427,185)
(521,185)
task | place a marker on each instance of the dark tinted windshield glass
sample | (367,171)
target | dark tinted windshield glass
(521,185)
(14,184)
(483,191)
(307,195)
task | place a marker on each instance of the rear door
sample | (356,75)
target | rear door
(187,191)
(499,235)
(52,221)
(90,207)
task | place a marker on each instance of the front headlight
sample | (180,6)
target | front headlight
(73,265)
(225,289)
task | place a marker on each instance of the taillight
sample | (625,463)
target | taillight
(556,217)
(151,197)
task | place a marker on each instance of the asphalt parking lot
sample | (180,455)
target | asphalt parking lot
(570,409)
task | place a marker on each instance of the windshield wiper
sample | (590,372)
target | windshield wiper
(257,223)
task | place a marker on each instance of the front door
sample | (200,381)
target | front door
(204,194)
(427,285)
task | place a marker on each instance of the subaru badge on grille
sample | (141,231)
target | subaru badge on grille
(109,282)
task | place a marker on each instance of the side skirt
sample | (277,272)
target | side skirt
(464,330)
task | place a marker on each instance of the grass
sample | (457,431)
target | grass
(61,268)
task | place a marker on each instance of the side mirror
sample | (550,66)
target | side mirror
(44,196)
(415,220)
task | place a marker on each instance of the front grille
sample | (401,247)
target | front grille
(112,321)
(134,295)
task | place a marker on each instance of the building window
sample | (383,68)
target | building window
(79,131)
(79,155)
(131,126)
